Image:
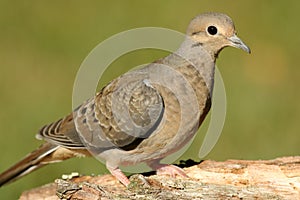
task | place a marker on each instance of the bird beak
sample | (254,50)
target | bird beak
(235,41)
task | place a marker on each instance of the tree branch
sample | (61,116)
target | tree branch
(232,179)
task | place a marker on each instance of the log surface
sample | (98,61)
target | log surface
(231,179)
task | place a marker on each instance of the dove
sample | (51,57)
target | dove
(145,114)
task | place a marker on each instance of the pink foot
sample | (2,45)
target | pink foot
(116,172)
(171,170)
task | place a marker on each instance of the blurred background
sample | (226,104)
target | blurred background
(42,45)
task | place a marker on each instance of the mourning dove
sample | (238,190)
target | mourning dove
(145,114)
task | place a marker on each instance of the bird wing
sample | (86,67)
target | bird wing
(62,133)
(122,114)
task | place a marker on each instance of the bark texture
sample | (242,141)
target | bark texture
(231,179)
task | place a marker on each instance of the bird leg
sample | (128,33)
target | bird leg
(166,169)
(116,172)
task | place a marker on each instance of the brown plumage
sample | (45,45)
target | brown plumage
(145,114)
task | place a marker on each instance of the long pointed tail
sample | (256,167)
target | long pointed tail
(31,162)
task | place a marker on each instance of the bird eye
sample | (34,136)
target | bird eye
(212,30)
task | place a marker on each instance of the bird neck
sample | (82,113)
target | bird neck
(201,58)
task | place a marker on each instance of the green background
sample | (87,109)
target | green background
(42,44)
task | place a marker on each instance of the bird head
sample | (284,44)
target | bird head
(214,31)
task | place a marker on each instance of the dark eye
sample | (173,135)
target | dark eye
(212,30)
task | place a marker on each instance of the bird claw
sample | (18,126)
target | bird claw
(170,170)
(120,176)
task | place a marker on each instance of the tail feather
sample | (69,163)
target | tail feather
(31,162)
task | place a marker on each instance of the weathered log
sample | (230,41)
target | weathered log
(232,179)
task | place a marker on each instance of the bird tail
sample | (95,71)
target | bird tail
(31,162)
